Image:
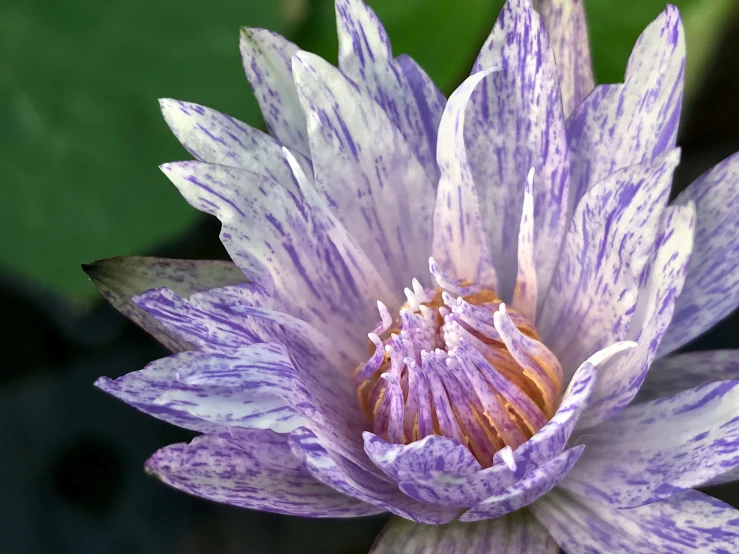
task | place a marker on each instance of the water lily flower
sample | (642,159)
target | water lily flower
(511,254)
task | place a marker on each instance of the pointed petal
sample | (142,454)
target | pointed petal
(621,379)
(594,291)
(712,287)
(688,522)
(653,450)
(120,279)
(254,386)
(287,243)
(518,533)
(217,138)
(675,374)
(409,97)
(621,125)
(366,172)
(527,489)
(267,59)
(515,123)
(567,28)
(342,475)
(255,470)
(459,242)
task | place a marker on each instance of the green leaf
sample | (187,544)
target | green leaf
(82,135)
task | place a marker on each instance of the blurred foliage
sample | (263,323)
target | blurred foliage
(82,136)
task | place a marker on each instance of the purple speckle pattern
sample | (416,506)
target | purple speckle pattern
(528,181)
(514,123)
(620,125)
(712,286)
(687,522)
(252,469)
(267,59)
(653,450)
(400,86)
(567,28)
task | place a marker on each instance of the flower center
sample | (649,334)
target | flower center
(457,362)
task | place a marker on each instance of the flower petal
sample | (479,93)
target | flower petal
(551,439)
(688,522)
(217,138)
(621,379)
(341,474)
(203,327)
(653,450)
(409,97)
(254,386)
(432,455)
(120,279)
(517,533)
(254,469)
(366,172)
(459,242)
(594,290)
(567,28)
(621,125)
(267,59)
(515,123)
(527,489)
(712,287)
(288,243)
(672,375)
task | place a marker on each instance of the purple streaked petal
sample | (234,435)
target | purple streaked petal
(290,242)
(567,28)
(254,386)
(653,450)
(459,242)
(595,286)
(621,380)
(409,97)
(525,292)
(253,469)
(712,287)
(342,475)
(668,376)
(621,125)
(527,489)
(120,279)
(515,122)
(687,522)
(217,138)
(428,458)
(267,59)
(326,372)
(517,533)
(366,172)
(551,439)
(202,325)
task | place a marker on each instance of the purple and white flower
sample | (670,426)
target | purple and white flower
(513,256)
